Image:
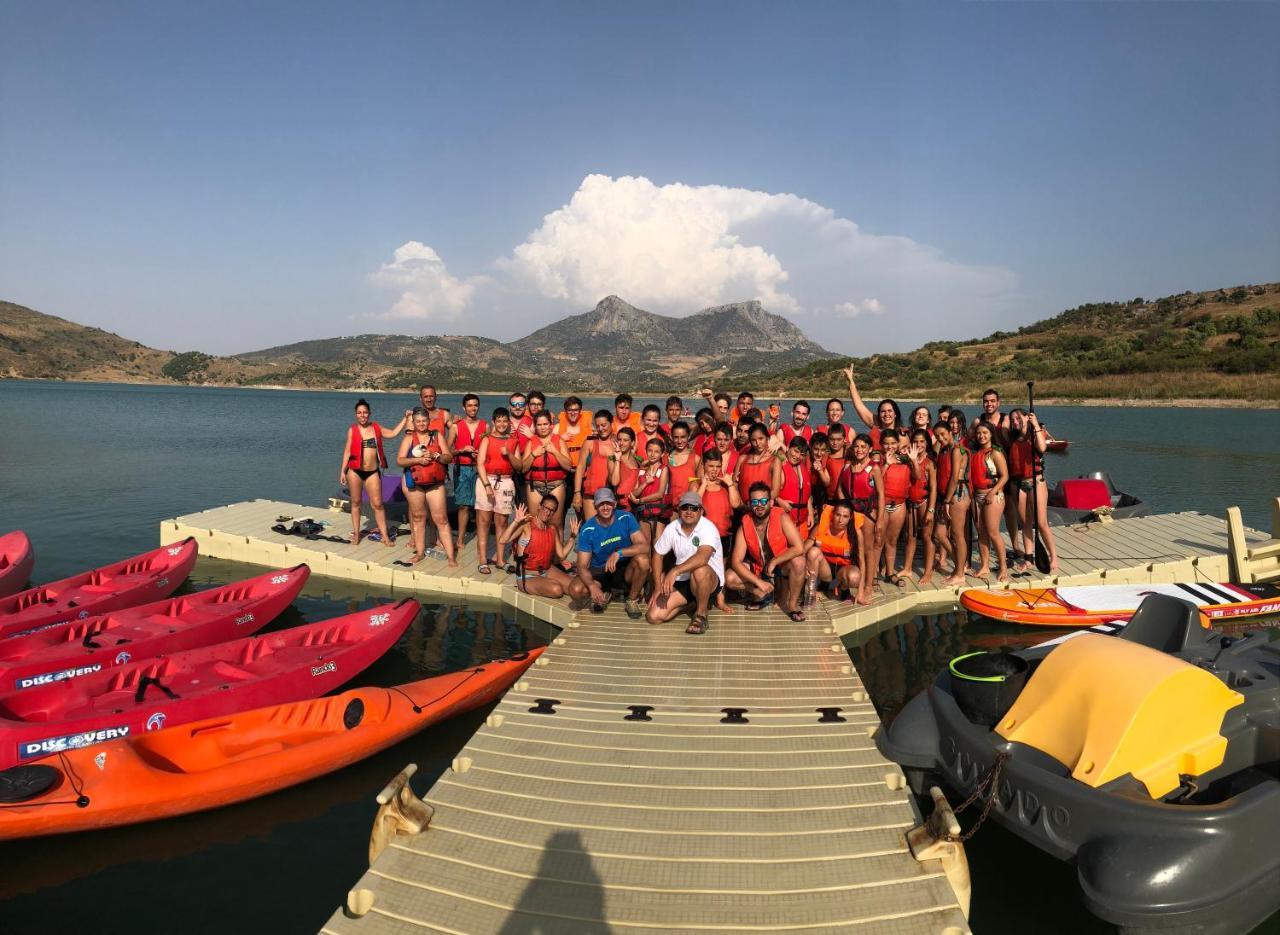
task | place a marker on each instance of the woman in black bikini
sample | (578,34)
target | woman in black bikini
(423,454)
(360,468)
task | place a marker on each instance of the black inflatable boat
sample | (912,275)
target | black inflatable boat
(1077,499)
(1149,758)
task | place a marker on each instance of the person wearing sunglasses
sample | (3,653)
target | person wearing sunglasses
(697,578)
(768,554)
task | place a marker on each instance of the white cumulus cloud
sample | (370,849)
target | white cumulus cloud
(676,248)
(427,289)
(865,307)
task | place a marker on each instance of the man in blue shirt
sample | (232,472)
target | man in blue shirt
(613,555)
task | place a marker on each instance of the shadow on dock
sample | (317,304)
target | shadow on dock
(566,897)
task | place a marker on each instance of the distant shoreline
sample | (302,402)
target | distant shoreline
(1097,401)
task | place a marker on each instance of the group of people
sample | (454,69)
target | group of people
(732,498)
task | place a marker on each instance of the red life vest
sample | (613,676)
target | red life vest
(597,474)
(545,468)
(702,442)
(716,507)
(944,472)
(774,536)
(643,438)
(681,477)
(432,473)
(540,549)
(497,457)
(355,442)
(897,482)
(979,474)
(754,473)
(919,490)
(648,481)
(469,439)
(789,433)
(835,470)
(628,474)
(728,461)
(1023,460)
(795,490)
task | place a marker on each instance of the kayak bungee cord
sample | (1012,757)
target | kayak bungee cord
(81,800)
(417,708)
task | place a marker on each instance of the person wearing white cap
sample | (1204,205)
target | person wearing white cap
(613,554)
(698,575)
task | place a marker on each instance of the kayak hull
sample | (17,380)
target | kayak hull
(73,650)
(17,558)
(1092,605)
(220,761)
(288,665)
(150,576)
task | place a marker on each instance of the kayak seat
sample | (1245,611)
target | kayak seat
(1084,493)
(228,670)
(1162,622)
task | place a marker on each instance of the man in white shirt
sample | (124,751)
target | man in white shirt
(698,574)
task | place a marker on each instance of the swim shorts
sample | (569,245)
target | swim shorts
(464,485)
(503,499)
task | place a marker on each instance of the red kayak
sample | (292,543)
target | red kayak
(16,560)
(74,650)
(138,580)
(1058,445)
(289,665)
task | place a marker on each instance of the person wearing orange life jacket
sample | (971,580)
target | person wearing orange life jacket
(495,487)
(832,469)
(920,503)
(624,468)
(593,466)
(818,471)
(704,436)
(837,552)
(360,469)
(899,474)
(573,429)
(682,461)
(541,549)
(862,484)
(798,427)
(886,418)
(648,498)
(729,456)
(546,465)
(424,452)
(989,474)
(623,416)
(720,500)
(1027,445)
(465,441)
(757,463)
(675,412)
(792,480)
(650,429)
(768,545)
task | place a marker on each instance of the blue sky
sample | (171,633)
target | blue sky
(231,176)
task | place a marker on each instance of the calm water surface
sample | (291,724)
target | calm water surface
(89,470)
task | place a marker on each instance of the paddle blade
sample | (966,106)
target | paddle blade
(1042,555)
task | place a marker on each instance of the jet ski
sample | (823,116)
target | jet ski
(1148,757)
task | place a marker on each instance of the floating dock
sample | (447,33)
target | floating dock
(638,780)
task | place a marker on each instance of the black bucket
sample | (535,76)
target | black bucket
(985,685)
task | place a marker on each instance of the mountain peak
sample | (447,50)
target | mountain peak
(613,315)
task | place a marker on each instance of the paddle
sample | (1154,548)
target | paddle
(1041,553)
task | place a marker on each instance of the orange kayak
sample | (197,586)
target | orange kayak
(218,761)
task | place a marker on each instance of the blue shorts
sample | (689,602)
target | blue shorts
(464,485)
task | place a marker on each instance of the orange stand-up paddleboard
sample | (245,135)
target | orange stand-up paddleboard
(1090,605)
(206,764)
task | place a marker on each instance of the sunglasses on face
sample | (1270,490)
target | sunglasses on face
(515,405)
(759,501)
(689,506)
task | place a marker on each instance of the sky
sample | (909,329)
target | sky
(231,176)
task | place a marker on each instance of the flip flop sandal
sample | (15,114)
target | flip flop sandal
(485,570)
(756,605)
(280,528)
(797,616)
(405,564)
(283,519)
(698,627)
(374,536)
(510,568)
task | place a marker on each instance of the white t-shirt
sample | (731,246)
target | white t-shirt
(705,533)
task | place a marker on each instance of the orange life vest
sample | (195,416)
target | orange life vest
(574,436)
(838,549)
(497,457)
(773,534)
(540,548)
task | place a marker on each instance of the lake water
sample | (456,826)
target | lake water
(89,470)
